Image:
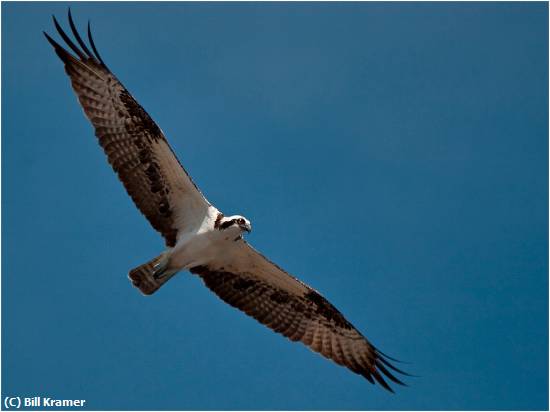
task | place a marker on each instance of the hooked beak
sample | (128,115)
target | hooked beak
(248,227)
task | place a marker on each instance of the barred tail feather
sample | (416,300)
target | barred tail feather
(143,279)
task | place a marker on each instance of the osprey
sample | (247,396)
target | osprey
(200,238)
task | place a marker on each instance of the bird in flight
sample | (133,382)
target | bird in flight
(199,238)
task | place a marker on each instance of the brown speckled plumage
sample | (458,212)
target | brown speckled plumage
(308,318)
(135,146)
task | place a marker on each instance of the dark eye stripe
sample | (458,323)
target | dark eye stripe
(226,224)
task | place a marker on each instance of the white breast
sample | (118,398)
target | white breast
(202,244)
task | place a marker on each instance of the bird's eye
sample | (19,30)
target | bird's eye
(241,221)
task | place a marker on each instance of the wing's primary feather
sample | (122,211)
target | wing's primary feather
(250,282)
(135,146)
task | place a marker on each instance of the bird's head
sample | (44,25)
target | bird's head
(236,223)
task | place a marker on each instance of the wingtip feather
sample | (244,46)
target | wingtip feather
(388,374)
(77,35)
(50,40)
(91,40)
(389,365)
(381,381)
(67,40)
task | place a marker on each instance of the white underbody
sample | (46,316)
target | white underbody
(202,243)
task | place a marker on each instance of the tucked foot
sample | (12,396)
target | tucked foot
(160,269)
(150,276)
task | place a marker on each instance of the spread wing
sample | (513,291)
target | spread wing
(135,146)
(248,281)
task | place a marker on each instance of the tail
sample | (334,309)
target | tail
(143,279)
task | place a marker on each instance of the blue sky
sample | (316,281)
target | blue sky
(393,156)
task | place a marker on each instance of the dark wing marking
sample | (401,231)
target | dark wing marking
(135,146)
(265,292)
